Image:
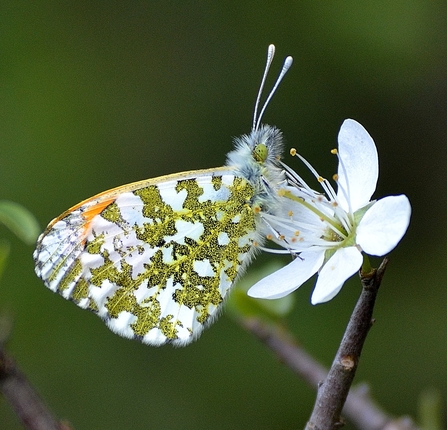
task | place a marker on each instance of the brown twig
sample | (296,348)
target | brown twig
(332,393)
(26,403)
(359,408)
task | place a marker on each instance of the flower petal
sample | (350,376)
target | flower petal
(289,278)
(359,166)
(342,265)
(384,225)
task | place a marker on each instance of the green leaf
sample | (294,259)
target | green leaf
(19,220)
(273,310)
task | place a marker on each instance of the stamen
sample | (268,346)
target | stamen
(337,224)
(326,185)
(274,250)
(296,180)
(330,221)
(287,225)
(338,232)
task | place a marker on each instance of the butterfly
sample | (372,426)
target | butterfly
(155,259)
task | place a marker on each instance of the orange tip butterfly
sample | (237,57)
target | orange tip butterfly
(155,259)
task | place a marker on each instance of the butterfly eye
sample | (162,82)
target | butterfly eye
(260,153)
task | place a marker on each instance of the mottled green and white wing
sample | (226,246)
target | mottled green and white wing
(154,259)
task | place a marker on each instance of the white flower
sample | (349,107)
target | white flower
(327,233)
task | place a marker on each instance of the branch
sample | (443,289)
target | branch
(26,403)
(359,408)
(332,393)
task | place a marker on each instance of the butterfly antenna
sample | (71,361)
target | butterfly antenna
(270,55)
(286,66)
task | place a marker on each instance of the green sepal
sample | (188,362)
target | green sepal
(358,215)
(366,265)
(19,220)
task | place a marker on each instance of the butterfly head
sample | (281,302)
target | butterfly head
(256,158)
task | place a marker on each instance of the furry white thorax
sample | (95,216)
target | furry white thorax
(266,176)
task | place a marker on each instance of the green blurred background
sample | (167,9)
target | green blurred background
(95,94)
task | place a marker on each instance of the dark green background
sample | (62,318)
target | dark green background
(95,94)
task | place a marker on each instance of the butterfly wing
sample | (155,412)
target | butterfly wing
(154,259)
